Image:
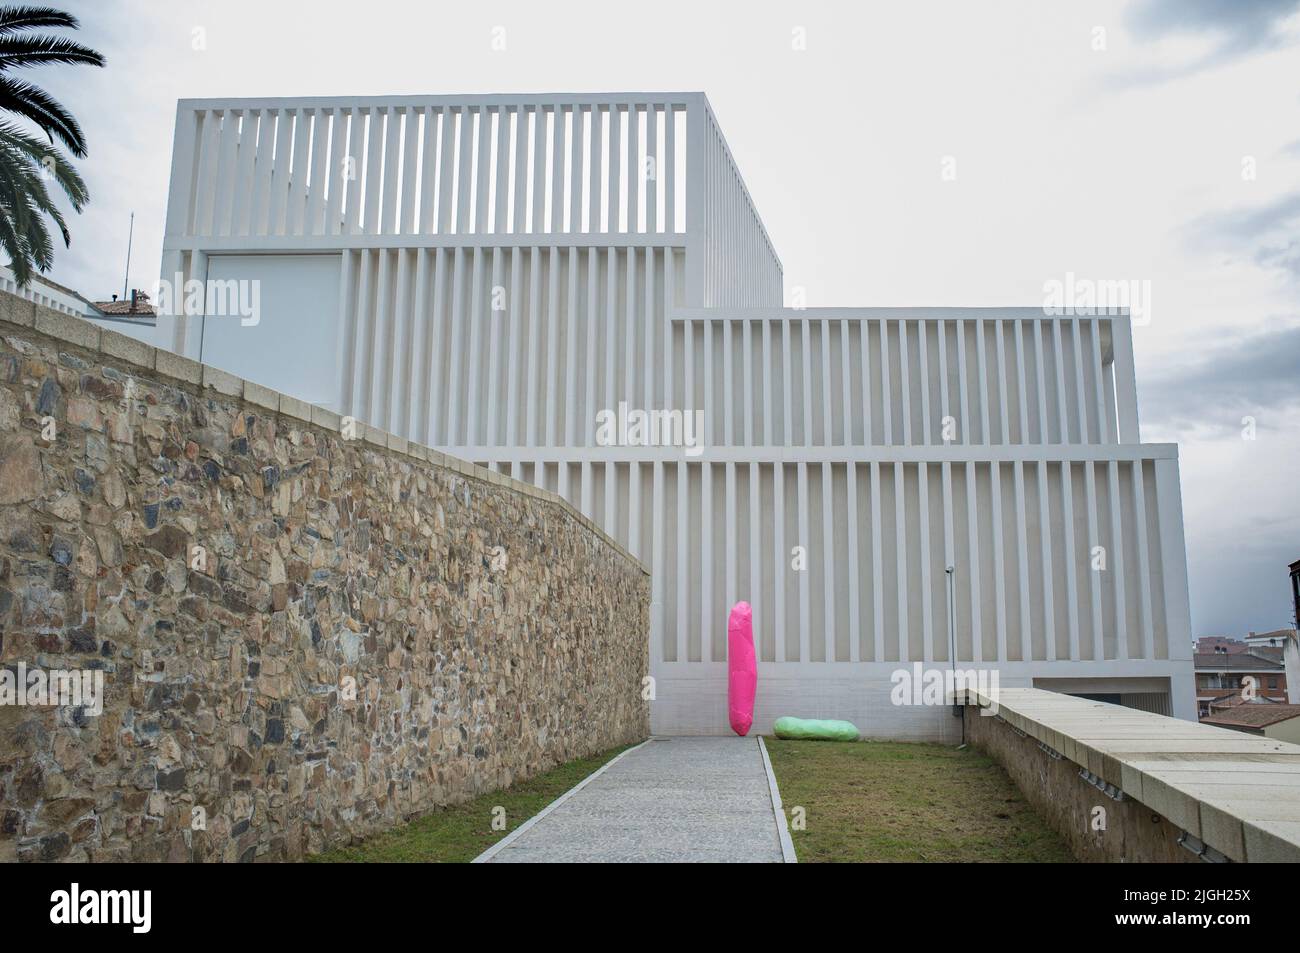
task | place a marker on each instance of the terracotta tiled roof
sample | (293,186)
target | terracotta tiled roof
(1253,716)
(140,307)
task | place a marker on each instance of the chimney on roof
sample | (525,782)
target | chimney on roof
(115,297)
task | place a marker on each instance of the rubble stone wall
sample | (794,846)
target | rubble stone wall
(305,634)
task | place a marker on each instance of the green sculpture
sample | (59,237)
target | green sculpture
(815,729)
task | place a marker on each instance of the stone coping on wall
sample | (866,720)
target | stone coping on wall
(30,316)
(1235,792)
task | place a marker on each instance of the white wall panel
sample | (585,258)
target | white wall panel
(291,343)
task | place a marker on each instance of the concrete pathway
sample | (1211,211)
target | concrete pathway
(670,800)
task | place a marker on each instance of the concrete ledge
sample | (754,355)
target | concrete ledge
(295,408)
(65,327)
(19,313)
(260,396)
(180,368)
(326,419)
(1238,794)
(126,348)
(222,382)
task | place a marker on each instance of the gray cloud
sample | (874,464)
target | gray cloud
(1285,257)
(1239,28)
(1257,375)
(1248,223)
(1244,24)
(1264,234)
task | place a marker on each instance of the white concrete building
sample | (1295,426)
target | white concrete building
(495,275)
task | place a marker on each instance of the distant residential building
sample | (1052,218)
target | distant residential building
(134,316)
(1224,673)
(137,305)
(1209,644)
(1268,651)
(47,293)
(1278,721)
(1274,638)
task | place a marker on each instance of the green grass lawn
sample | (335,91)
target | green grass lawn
(459,833)
(895,801)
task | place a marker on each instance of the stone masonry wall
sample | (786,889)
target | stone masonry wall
(325,562)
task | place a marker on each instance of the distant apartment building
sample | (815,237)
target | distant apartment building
(1210,644)
(1276,638)
(578,291)
(1224,676)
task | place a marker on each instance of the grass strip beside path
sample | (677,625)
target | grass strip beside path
(460,832)
(898,801)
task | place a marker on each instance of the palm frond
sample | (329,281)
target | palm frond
(29,190)
(26,17)
(37,237)
(16,145)
(40,107)
(28,164)
(11,241)
(30,237)
(41,50)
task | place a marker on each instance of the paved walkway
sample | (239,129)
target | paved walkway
(672,799)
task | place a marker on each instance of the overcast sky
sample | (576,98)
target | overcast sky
(1156,140)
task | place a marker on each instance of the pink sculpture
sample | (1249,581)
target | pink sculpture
(742,668)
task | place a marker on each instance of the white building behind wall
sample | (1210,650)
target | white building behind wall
(487,274)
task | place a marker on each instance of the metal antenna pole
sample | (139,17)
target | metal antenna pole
(126,278)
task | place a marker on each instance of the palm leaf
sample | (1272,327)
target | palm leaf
(29,190)
(25,18)
(15,145)
(28,164)
(37,105)
(19,261)
(40,50)
(37,236)
(30,237)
